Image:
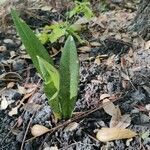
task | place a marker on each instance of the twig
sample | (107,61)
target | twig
(23,141)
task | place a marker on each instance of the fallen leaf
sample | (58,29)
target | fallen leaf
(19,121)
(72,126)
(38,130)
(118,121)
(126,77)
(10,76)
(14,111)
(97,61)
(104,96)
(31,107)
(115,118)
(147,45)
(21,89)
(4,103)
(10,85)
(110,134)
(95,44)
(109,107)
(84,49)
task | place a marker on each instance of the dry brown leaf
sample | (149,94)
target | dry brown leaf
(97,61)
(21,89)
(126,77)
(14,111)
(38,130)
(31,107)
(10,76)
(10,85)
(147,45)
(95,44)
(109,107)
(115,118)
(110,134)
(124,122)
(72,126)
(110,60)
(84,49)
(104,96)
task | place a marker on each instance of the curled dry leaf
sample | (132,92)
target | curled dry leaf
(120,121)
(10,85)
(14,111)
(72,126)
(84,49)
(38,130)
(110,134)
(97,61)
(104,96)
(109,107)
(10,76)
(115,119)
(95,44)
(31,107)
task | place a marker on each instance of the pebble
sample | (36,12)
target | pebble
(10,44)
(8,41)
(138,95)
(18,65)
(3,48)
(147,141)
(144,118)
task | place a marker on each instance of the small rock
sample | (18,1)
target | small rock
(147,106)
(9,44)
(18,65)
(3,48)
(147,141)
(8,41)
(145,118)
(138,95)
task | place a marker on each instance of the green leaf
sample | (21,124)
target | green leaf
(69,77)
(88,12)
(31,42)
(51,79)
(43,37)
(57,31)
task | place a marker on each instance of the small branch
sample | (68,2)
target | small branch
(26,132)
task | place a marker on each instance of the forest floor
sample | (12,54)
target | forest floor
(113,62)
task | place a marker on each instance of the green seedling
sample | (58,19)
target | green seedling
(53,32)
(60,86)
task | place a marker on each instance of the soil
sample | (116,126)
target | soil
(119,66)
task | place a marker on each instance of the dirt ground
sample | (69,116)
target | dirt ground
(114,62)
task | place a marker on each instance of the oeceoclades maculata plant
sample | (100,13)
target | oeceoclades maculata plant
(51,33)
(60,86)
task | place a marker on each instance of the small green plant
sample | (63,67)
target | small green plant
(81,8)
(53,32)
(60,86)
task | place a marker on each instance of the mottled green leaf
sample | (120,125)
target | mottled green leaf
(69,77)
(30,41)
(51,79)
